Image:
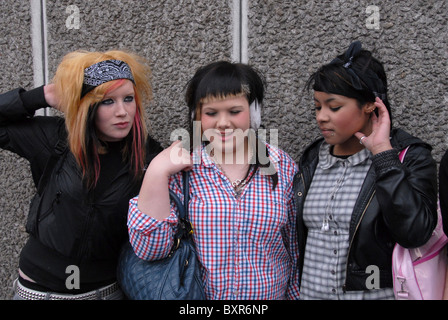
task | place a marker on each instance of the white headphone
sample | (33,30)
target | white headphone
(255,115)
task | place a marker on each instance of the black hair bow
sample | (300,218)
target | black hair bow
(349,56)
(368,77)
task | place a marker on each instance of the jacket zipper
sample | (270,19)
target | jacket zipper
(344,287)
(303,181)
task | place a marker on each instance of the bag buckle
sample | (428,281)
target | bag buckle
(402,281)
(186,226)
(176,245)
(187,230)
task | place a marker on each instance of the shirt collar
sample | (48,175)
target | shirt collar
(327,160)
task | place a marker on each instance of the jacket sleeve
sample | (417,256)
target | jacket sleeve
(20,132)
(293,290)
(19,104)
(407,194)
(443,190)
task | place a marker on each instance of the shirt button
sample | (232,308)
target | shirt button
(299,194)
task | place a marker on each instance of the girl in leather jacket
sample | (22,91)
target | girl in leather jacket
(86,166)
(355,199)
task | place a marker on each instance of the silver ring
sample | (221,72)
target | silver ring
(360,140)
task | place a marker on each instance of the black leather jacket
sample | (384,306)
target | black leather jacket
(397,203)
(67,221)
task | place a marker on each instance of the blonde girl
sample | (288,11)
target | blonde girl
(86,165)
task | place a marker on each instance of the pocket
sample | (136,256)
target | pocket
(31,223)
(40,208)
(46,213)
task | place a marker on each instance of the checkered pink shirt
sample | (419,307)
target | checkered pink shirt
(247,246)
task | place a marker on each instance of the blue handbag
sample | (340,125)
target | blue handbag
(176,277)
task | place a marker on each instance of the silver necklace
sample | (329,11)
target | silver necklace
(237,184)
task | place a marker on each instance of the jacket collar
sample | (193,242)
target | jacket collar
(400,139)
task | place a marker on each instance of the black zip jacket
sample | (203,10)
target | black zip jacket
(397,204)
(443,190)
(68,225)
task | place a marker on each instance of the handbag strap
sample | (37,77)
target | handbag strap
(186,178)
(182,207)
(184,226)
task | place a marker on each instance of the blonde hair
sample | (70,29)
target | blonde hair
(69,78)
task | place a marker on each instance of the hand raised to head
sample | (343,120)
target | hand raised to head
(379,140)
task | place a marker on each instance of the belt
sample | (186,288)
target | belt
(99,294)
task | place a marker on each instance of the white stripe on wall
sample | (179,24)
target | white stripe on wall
(239,22)
(39,46)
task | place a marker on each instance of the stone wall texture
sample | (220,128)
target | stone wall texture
(286,41)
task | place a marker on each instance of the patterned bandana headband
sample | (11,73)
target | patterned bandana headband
(368,77)
(105,71)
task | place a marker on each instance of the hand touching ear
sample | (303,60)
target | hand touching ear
(378,141)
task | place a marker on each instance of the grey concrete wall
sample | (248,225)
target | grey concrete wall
(16,187)
(286,40)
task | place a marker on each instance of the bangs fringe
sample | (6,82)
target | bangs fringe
(220,86)
(219,97)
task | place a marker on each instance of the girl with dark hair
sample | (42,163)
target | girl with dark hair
(241,207)
(86,168)
(355,198)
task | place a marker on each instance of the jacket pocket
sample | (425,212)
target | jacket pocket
(41,207)
(31,223)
